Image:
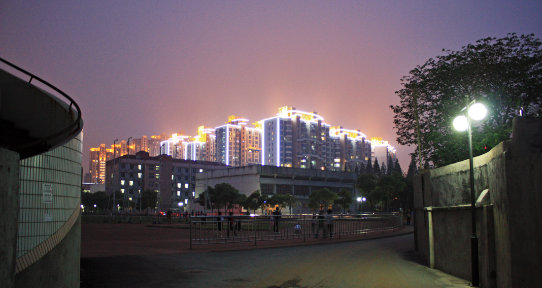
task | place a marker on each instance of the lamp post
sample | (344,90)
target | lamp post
(473,111)
(360,202)
(114,162)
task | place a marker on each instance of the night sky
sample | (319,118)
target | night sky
(146,67)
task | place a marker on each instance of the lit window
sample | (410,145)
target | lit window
(122,182)
(178,193)
(186,185)
(131,183)
(193,194)
(178,185)
(139,175)
(139,167)
(185,201)
(200,170)
(122,190)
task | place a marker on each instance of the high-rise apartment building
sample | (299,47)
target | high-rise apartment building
(98,159)
(382,150)
(351,149)
(292,138)
(200,147)
(141,144)
(296,139)
(237,144)
(154,144)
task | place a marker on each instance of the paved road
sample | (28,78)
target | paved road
(386,262)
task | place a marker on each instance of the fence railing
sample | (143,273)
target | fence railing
(236,229)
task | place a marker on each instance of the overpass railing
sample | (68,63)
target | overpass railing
(228,229)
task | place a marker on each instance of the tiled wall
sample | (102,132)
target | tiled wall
(49,193)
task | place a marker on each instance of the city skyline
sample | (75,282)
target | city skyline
(240,142)
(154,67)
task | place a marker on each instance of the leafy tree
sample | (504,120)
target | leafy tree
(322,198)
(254,201)
(345,199)
(387,191)
(242,200)
(505,74)
(366,184)
(225,195)
(283,200)
(87,199)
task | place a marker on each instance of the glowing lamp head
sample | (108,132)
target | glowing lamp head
(359,199)
(477,111)
(461,123)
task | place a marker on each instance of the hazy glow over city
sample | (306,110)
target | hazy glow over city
(151,67)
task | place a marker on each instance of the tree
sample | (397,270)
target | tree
(505,74)
(369,168)
(322,198)
(242,200)
(225,195)
(387,191)
(100,199)
(366,183)
(407,197)
(255,201)
(345,199)
(376,168)
(397,167)
(283,200)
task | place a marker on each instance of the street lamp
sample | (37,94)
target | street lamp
(473,111)
(360,202)
(114,162)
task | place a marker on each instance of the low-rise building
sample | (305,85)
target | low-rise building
(271,180)
(173,179)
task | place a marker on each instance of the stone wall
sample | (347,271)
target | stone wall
(509,178)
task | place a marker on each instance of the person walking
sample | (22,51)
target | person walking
(329,222)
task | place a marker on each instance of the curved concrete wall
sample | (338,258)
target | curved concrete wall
(49,209)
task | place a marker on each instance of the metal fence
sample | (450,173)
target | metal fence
(236,229)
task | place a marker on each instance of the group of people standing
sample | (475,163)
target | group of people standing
(322,222)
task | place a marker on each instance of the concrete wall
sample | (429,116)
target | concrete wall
(59,268)
(9,210)
(508,217)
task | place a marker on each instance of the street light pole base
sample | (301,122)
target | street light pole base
(474,261)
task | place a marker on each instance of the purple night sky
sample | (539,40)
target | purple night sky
(146,67)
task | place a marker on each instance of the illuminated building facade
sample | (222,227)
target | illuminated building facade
(141,144)
(292,138)
(237,144)
(200,147)
(351,149)
(296,139)
(381,150)
(154,144)
(174,146)
(98,158)
(173,179)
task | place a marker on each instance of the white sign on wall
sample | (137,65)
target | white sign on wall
(47,192)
